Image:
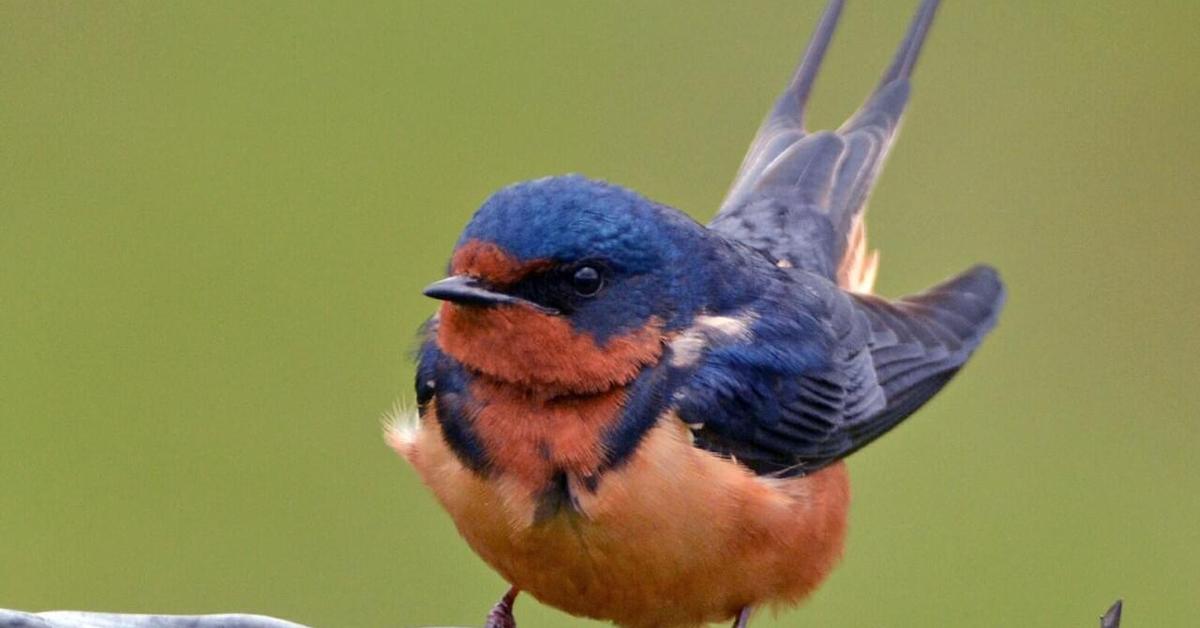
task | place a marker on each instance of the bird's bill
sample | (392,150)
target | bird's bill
(466,290)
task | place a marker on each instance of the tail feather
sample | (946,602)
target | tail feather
(823,180)
(906,57)
(784,124)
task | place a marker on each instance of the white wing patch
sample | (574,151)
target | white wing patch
(687,348)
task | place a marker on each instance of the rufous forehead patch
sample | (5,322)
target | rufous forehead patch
(491,263)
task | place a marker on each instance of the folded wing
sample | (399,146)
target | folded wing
(880,362)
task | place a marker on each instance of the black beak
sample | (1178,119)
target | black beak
(470,291)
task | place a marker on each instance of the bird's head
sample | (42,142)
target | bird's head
(566,284)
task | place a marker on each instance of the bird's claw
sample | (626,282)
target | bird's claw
(743,617)
(502,613)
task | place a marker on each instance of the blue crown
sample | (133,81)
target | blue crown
(572,218)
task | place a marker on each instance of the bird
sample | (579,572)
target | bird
(638,418)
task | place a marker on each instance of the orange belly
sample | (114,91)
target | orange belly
(674,537)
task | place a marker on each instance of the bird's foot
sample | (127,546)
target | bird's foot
(502,613)
(743,617)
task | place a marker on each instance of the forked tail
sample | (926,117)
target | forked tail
(801,196)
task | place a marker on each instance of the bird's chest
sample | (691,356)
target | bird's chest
(546,451)
(672,536)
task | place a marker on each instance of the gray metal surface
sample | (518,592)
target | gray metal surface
(82,619)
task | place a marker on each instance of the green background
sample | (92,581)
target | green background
(216,219)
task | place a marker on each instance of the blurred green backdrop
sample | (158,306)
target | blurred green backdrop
(215,220)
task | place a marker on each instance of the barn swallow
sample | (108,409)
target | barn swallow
(637,418)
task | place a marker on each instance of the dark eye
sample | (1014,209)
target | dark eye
(587,281)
